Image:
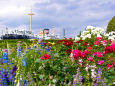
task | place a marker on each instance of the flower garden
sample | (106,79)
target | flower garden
(87,60)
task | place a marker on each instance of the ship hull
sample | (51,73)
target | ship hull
(15,36)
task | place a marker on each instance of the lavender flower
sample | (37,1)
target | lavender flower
(99,78)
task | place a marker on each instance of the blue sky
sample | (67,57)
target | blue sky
(73,15)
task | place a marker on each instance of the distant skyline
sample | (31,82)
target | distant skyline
(72,15)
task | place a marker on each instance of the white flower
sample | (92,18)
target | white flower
(114,83)
(85,32)
(90,28)
(99,30)
(93,66)
(49,84)
(71,55)
(92,70)
(106,34)
(86,68)
(77,38)
(84,37)
(93,74)
(110,37)
(54,80)
(88,35)
(80,60)
(98,35)
(112,32)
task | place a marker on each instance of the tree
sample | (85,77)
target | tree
(111,25)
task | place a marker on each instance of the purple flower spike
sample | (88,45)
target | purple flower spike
(81,78)
(74,76)
(95,84)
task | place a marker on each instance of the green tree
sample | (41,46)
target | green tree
(111,25)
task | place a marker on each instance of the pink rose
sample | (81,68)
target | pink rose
(99,54)
(90,59)
(86,51)
(99,38)
(109,66)
(83,55)
(95,53)
(47,56)
(96,43)
(104,42)
(42,57)
(113,63)
(76,54)
(113,44)
(100,62)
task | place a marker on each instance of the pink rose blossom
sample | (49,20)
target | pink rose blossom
(90,59)
(109,66)
(42,57)
(100,62)
(113,63)
(99,38)
(76,54)
(109,49)
(113,44)
(47,56)
(86,51)
(95,53)
(99,54)
(83,55)
(104,42)
(96,43)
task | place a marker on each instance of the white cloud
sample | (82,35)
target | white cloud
(72,14)
(17,8)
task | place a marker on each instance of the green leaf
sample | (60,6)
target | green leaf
(56,55)
(40,67)
(37,61)
(41,76)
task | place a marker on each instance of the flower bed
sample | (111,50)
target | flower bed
(89,60)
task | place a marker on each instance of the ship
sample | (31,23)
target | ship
(18,34)
(22,33)
(45,34)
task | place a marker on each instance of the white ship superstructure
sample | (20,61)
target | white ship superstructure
(45,34)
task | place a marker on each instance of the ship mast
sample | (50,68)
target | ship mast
(31,14)
(54,30)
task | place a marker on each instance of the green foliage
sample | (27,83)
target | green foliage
(111,25)
(60,67)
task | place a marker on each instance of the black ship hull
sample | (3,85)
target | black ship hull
(15,36)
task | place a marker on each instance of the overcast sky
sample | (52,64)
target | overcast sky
(73,15)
